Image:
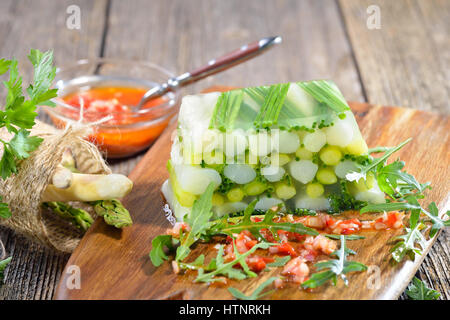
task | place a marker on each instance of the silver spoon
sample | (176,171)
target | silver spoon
(233,58)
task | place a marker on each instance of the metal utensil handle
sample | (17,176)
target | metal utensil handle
(226,61)
(216,65)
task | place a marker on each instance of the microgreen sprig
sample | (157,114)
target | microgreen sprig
(336,268)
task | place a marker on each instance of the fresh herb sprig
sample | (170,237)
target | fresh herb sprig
(198,220)
(417,290)
(372,165)
(256,294)
(157,254)
(19,112)
(337,268)
(226,269)
(230,226)
(403,192)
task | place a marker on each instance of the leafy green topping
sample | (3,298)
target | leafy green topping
(230,226)
(19,112)
(397,183)
(157,255)
(371,166)
(256,294)
(417,290)
(279,262)
(337,268)
(347,237)
(226,269)
(198,220)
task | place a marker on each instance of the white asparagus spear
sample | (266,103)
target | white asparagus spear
(90,187)
(62,178)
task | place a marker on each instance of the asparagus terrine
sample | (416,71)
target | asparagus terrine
(292,144)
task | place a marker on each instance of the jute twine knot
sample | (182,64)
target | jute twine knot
(23,191)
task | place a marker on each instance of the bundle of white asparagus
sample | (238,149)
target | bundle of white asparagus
(68,176)
(292,144)
(101,190)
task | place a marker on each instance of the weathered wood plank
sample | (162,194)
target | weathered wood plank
(406,61)
(181,35)
(34,271)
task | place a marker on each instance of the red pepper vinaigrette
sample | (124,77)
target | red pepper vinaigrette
(128,132)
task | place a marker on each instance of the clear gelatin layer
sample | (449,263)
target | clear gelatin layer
(290,144)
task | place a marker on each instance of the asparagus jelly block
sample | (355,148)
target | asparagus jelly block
(290,144)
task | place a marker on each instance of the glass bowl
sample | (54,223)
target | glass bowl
(124,134)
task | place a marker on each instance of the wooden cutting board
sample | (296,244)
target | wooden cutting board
(114,264)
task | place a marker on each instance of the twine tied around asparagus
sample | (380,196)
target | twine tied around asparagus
(23,191)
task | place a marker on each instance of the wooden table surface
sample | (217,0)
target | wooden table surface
(406,63)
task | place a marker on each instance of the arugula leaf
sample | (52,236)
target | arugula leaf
(417,290)
(256,294)
(438,223)
(389,206)
(3,264)
(230,226)
(198,220)
(279,262)
(363,170)
(392,180)
(337,268)
(227,269)
(347,237)
(406,245)
(157,254)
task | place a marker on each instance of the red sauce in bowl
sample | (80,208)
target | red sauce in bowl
(128,132)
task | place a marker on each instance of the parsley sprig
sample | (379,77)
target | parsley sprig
(19,111)
(336,268)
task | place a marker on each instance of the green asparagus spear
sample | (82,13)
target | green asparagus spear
(79,217)
(113,212)
(3,264)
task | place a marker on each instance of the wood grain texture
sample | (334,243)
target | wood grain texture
(34,271)
(104,251)
(406,62)
(184,34)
